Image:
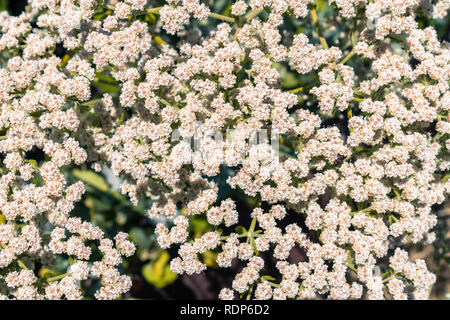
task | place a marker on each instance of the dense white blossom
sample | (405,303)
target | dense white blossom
(366,190)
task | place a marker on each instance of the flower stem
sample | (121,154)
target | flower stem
(21,264)
(92,102)
(349,115)
(351,267)
(354,41)
(253,14)
(315,19)
(272,284)
(57,277)
(221,17)
(296,90)
(154,10)
(159,41)
(348,56)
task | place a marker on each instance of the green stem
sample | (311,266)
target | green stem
(445,178)
(21,264)
(57,277)
(315,19)
(351,267)
(347,57)
(249,294)
(90,102)
(244,235)
(350,114)
(221,17)
(300,145)
(354,41)
(388,278)
(272,284)
(251,230)
(253,14)
(363,210)
(154,10)
(397,194)
(252,226)
(296,90)
(151,10)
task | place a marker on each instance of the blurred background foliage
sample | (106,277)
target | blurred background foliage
(103,204)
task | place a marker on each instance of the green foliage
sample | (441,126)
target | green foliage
(200,226)
(158,272)
(3,5)
(92,179)
(112,211)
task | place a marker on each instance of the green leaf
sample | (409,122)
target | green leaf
(289,79)
(200,226)
(158,273)
(209,258)
(91,178)
(240,230)
(33,163)
(107,88)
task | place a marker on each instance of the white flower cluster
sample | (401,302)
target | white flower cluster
(365,187)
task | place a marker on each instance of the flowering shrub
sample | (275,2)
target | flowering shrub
(354,96)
